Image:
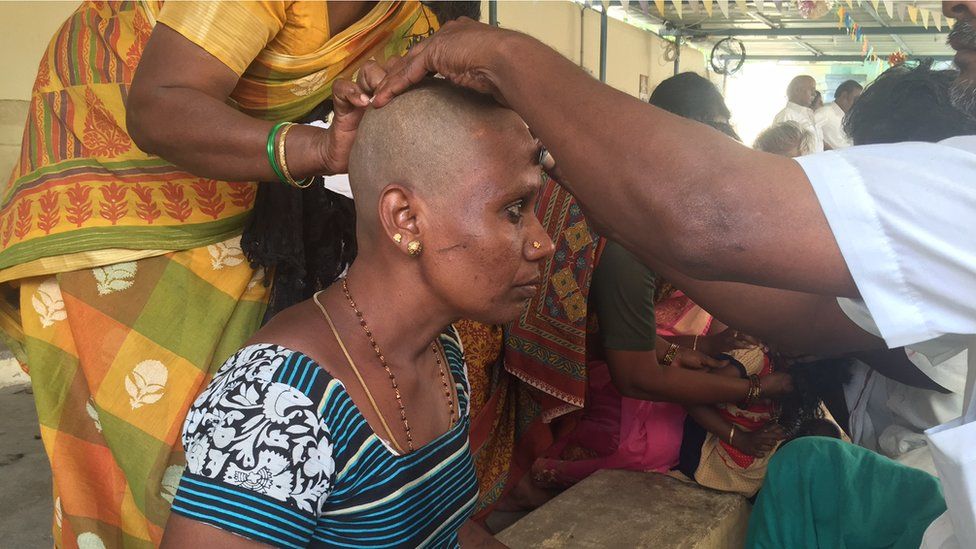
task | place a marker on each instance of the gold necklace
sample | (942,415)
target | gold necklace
(389,372)
(359,377)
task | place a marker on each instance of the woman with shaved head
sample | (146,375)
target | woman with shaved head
(344,421)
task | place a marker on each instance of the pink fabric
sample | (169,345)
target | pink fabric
(615,432)
(677,315)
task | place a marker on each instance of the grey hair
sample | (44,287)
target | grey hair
(782,138)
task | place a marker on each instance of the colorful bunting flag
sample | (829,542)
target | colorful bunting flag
(937,19)
(741,4)
(708,7)
(760,4)
(890,7)
(723,6)
(678,5)
(925,16)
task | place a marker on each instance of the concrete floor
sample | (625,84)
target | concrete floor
(25,477)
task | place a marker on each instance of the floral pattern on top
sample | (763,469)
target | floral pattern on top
(265,436)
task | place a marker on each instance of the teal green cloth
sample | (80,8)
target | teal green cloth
(823,492)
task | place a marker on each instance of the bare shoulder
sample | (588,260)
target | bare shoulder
(302,328)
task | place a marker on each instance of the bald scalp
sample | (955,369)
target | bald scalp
(798,84)
(422,140)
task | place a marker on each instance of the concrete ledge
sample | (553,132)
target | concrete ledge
(613,509)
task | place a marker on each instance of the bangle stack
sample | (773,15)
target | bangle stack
(276,156)
(669,356)
(755,390)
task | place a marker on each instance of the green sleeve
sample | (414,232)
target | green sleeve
(623,297)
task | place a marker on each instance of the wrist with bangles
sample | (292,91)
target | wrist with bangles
(670,355)
(755,390)
(276,155)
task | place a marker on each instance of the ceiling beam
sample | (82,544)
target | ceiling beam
(805,31)
(773,25)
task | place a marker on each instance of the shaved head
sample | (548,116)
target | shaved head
(423,140)
(446,182)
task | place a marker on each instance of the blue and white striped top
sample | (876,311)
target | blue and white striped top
(277,452)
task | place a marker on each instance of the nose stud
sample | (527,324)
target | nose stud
(536,244)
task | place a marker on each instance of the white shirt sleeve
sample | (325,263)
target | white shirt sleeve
(830,122)
(904,217)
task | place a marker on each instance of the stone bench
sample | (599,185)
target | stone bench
(623,509)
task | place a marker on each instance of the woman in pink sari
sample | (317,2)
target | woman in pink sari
(654,347)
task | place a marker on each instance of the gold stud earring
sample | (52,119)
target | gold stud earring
(536,244)
(414,248)
(398,238)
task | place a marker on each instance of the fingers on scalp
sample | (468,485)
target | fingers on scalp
(370,76)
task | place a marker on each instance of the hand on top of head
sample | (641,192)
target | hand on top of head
(457,51)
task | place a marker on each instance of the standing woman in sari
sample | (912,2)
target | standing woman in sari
(127,266)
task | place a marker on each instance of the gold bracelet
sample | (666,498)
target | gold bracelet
(731,434)
(284,165)
(669,356)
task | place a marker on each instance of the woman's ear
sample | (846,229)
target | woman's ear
(398,209)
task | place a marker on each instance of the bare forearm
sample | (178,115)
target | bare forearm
(712,421)
(212,139)
(183,115)
(790,321)
(672,189)
(643,378)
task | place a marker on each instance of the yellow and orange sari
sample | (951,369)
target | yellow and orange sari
(132,285)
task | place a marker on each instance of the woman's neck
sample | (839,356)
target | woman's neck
(403,318)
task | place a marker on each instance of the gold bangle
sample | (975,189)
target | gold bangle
(694,346)
(669,356)
(731,434)
(284,165)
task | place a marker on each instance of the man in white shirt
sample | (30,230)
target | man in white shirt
(830,119)
(801,92)
(892,228)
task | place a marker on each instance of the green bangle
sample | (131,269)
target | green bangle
(272,159)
